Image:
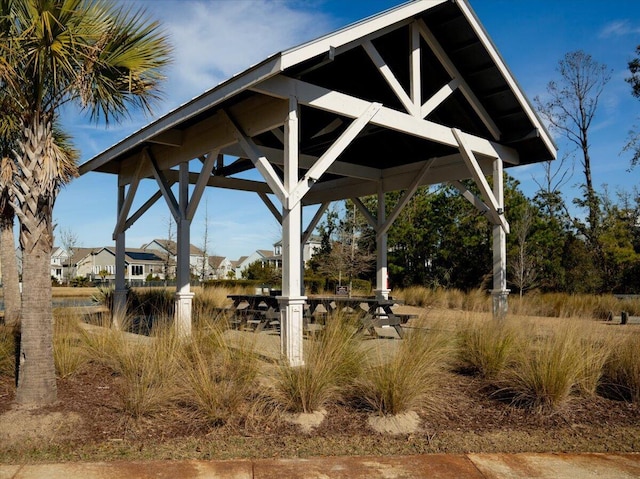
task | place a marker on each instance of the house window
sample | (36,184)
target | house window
(137,270)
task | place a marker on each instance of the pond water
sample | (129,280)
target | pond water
(70,302)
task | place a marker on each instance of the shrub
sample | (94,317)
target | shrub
(405,381)
(333,360)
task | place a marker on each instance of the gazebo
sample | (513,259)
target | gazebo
(416,95)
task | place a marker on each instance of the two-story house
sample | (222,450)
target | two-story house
(99,264)
(220,267)
(59,258)
(167,251)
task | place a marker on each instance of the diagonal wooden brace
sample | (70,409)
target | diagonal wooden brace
(495,208)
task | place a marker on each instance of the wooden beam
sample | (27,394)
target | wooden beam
(276,157)
(165,188)
(328,157)
(314,222)
(449,66)
(346,105)
(274,210)
(257,116)
(128,200)
(203,178)
(372,220)
(259,160)
(415,69)
(143,209)
(390,78)
(406,197)
(473,199)
(480,180)
(438,97)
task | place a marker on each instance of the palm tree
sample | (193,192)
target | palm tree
(55,52)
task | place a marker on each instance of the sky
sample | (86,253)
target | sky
(215,39)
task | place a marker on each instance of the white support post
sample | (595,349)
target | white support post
(499,292)
(184,296)
(120,293)
(382,285)
(291,301)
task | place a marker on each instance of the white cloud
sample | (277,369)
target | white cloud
(618,28)
(214,40)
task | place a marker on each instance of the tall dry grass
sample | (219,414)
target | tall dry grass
(69,351)
(147,367)
(218,381)
(333,359)
(558,305)
(556,363)
(487,347)
(622,369)
(405,380)
(7,350)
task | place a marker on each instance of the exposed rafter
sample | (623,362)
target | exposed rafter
(450,67)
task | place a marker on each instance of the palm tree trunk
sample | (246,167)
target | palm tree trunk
(9,262)
(35,191)
(36,374)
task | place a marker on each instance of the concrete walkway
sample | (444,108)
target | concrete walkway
(444,466)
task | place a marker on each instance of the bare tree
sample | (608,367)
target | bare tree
(204,263)
(524,266)
(69,242)
(570,109)
(345,259)
(167,262)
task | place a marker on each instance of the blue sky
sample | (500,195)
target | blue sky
(214,39)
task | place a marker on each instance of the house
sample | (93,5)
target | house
(99,264)
(167,251)
(220,267)
(59,258)
(312,245)
(265,256)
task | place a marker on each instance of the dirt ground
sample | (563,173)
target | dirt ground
(88,424)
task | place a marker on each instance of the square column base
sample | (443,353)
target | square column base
(182,317)
(500,302)
(382,294)
(291,328)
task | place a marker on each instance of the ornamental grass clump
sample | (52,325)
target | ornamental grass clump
(218,380)
(146,367)
(486,348)
(405,380)
(621,376)
(333,359)
(557,363)
(69,351)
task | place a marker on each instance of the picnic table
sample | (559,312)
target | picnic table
(259,312)
(255,311)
